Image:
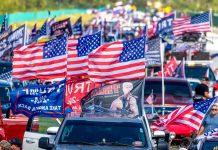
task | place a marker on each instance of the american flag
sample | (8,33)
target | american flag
(117,61)
(196,23)
(152,52)
(43,30)
(191,115)
(33,31)
(78,50)
(6,76)
(43,61)
(213,132)
(4,26)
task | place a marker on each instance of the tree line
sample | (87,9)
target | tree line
(11,6)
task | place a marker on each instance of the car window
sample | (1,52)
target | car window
(102,132)
(165,110)
(173,88)
(193,84)
(198,72)
(41,124)
(5,94)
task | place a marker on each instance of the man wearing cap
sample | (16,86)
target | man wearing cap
(202,90)
(211,121)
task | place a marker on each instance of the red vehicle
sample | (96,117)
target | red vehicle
(13,127)
(177,93)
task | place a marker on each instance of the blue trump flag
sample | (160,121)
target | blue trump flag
(77,27)
(39,100)
(164,26)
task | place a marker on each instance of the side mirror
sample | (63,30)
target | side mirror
(44,143)
(52,130)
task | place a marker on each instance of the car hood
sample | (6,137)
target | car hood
(97,147)
(180,129)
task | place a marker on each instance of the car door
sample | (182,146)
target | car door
(37,127)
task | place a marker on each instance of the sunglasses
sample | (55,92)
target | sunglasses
(214,109)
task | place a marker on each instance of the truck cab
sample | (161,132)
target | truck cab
(100,131)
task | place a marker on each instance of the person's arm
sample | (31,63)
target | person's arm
(201,130)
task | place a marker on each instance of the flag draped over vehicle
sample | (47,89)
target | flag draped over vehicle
(196,23)
(41,60)
(118,61)
(78,50)
(191,115)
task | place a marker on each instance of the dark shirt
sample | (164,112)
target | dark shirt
(200,89)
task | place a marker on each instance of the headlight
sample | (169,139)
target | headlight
(172,135)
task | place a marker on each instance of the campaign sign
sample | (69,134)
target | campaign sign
(165,24)
(61,27)
(12,41)
(121,98)
(75,91)
(39,100)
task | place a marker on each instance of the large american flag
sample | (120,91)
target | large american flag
(43,61)
(78,50)
(196,23)
(117,61)
(191,115)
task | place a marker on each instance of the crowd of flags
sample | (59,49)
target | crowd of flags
(68,57)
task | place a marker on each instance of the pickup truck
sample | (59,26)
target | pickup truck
(103,132)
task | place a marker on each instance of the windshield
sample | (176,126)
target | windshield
(198,72)
(193,84)
(161,111)
(103,133)
(173,88)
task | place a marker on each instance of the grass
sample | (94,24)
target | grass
(45,123)
(86,18)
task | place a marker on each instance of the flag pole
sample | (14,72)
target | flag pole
(152,106)
(211,21)
(162,71)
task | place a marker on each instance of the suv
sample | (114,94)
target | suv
(102,132)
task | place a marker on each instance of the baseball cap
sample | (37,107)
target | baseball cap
(205,79)
(5,144)
(16,142)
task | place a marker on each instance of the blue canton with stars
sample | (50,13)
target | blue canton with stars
(43,30)
(203,105)
(132,50)
(200,18)
(55,48)
(88,43)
